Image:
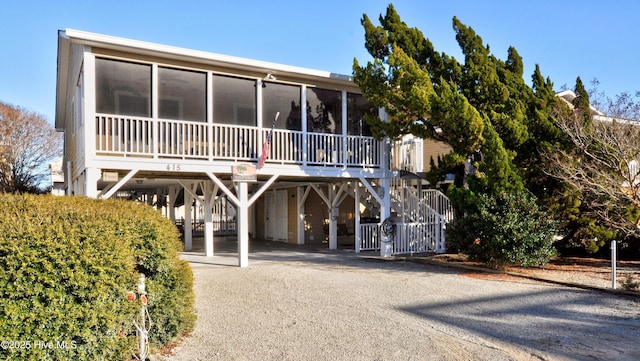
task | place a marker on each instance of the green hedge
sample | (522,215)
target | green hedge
(67,266)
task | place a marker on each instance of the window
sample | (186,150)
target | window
(357,107)
(182,94)
(123,88)
(281,98)
(324,111)
(234,100)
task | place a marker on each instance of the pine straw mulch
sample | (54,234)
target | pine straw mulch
(573,271)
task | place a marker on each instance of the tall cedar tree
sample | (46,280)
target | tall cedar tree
(482,108)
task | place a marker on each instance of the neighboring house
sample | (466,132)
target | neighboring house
(414,154)
(569,95)
(632,167)
(57,178)
(172,127)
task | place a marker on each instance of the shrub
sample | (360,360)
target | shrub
(629,283)
(68,264)
(509,228)
(169,279)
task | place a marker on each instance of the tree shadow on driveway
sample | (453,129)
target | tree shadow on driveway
(555,322)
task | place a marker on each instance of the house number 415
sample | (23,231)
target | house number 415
(173,167)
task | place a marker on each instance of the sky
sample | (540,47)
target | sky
(590,39)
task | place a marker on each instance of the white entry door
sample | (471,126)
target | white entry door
(275,211)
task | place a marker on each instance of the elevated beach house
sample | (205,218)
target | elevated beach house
(233,145)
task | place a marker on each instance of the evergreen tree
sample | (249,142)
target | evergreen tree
(481,107)
(581,102)
(478,107)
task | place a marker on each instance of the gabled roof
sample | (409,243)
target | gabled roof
(569,95)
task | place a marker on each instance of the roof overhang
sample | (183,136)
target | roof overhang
(62,74)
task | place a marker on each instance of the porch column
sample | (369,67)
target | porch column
(336,197)
(385,212)
(68,184)
(208,230)
(252,220)
(343,156)
(303,120)
(356,212)
(243,224)
(209,190)
(91,176)
(242,203)
(188,231)
(333,218)
(386,247)
(173,194)
(300,198)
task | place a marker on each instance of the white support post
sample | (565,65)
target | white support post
(386,247)
(300,197)
(385,212)
(188,231)
(441,245)
(328,200)
(173,194)
(357,230)
(69,179)
(343,156)
(333,218)
(252,221)
(614,256)
(243,225)
(336,199)
(303,119)
(242,203)
(210,190)
(91,182)
(208,231)
(210,116)
(154,110)
(259,105)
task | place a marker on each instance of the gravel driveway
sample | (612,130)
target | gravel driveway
(295,305)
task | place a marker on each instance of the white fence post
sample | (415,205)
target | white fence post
(613,264)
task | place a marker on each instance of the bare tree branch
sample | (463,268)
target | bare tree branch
(27,143)
(603,166)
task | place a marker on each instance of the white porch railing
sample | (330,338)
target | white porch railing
(439,202)
(410,238)
(183,139)
(124,135)
(424,237)
(416,207)
(423,216)
(369,237)
(162,138)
